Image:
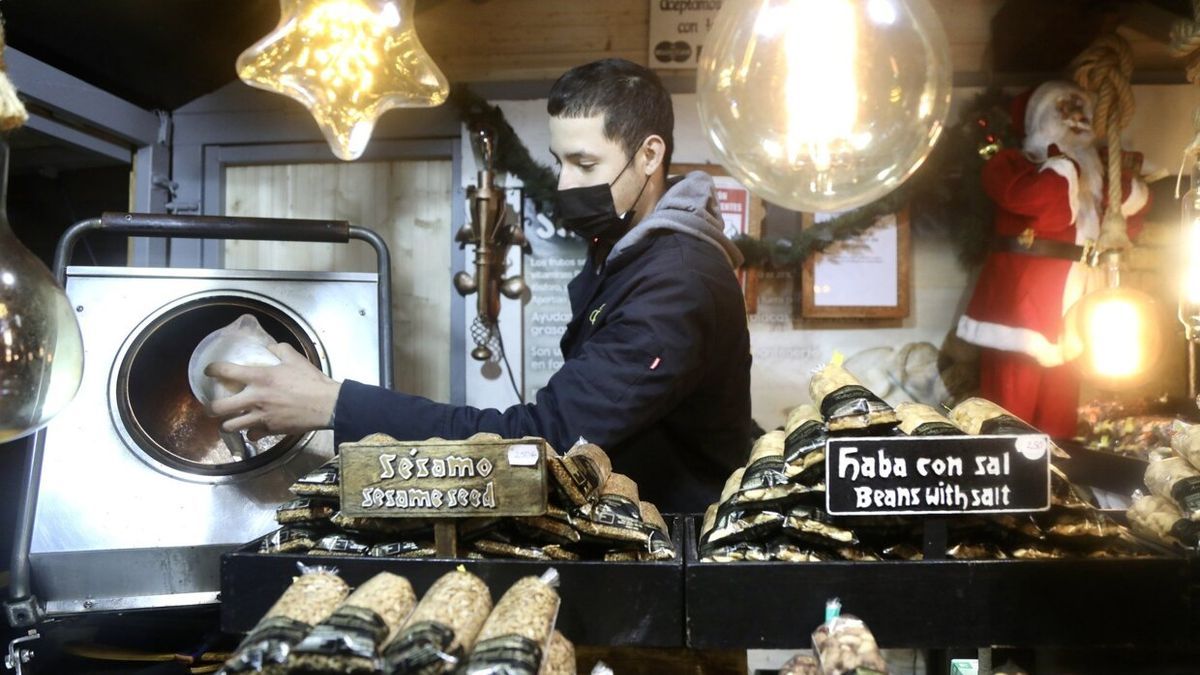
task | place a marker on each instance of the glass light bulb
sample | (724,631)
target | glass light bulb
(1190,262)
(1117,335)
(348,62)
(824,105)
(41,351)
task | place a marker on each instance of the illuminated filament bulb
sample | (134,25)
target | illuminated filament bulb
(1115,327)
(1191,266)
(821,82)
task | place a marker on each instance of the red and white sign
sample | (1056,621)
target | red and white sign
(734,200)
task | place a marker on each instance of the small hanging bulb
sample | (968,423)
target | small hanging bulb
(348,62)
(824,105)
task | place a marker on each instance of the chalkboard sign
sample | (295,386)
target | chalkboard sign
(386,478)
(937,475)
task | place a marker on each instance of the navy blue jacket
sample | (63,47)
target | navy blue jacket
(656,364)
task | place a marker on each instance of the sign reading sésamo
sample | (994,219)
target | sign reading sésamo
(386,478)
(937,475)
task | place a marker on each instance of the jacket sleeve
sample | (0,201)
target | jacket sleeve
(1027,188)
(636,367)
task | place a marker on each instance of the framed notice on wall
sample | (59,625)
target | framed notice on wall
(740,209)
(866,277)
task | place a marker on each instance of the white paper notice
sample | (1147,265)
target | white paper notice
(859,272)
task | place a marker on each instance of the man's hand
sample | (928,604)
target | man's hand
(292,397)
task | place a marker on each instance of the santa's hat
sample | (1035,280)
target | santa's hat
(1017,110)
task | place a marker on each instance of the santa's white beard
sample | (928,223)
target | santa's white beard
(1081,149)
(1051,129)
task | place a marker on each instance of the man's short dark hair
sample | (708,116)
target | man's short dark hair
(634,102)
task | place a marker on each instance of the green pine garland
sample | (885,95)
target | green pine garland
(946,189)
(540,182)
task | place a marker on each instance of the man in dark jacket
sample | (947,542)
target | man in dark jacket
(657,354)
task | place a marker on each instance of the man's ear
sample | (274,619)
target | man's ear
(653,150)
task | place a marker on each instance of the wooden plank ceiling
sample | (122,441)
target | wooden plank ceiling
(164,53)
(517,40)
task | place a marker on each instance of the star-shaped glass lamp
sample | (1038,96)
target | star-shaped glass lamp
(348,62)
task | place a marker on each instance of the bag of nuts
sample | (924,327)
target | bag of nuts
(560,657)
(323,481)
(765,479)
(620,518)
(289,540)
(801,664)
(845,404)
(310,600)
(844,645)
(1161,520)
(579,474)
(804,444)
(980,417)
(443,627)
(1171,477)
(516,635)
(918,419)
(348,641)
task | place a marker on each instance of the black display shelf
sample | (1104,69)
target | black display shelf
(1106,470)
(603,603)
(1147,602)
(943,604)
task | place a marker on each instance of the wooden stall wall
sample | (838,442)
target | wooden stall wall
(406,202)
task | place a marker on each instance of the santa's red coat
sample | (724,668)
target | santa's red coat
(1019,301)
(1016,311)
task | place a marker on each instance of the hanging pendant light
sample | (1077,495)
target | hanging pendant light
(348,62)
(41,350)
(1115,333)
(824,105)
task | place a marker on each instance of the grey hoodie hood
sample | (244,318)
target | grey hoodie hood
(689,207)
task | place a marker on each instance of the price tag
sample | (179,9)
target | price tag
(524,455)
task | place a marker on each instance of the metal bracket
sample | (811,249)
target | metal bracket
(23,613)
(17,656)
(166,127)
(172,189)
(173,207)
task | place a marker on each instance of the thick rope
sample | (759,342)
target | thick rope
(12,111)
(1104,69)
(1185,33)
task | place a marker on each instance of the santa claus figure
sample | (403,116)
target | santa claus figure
(1050,196)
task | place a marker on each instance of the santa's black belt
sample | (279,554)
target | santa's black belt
(1045,248)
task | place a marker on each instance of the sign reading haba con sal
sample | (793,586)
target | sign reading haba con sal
(386,478)
(913,475)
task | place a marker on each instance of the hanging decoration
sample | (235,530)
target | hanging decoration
(1185,43)
(41,350)
(824,106)
(1104,69)
(510,156)
(348,62)
(1114,332)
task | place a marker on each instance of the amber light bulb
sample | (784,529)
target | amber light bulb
(348,62)
(41,350)
(824,105)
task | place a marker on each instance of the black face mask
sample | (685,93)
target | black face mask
(590,213)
